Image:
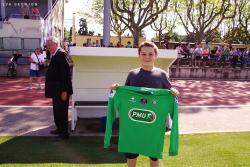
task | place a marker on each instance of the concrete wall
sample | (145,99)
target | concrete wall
(210,73)
(21,28)
(175,73)
(22,70)
(81,39)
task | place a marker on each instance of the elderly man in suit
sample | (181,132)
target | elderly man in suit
(58,86)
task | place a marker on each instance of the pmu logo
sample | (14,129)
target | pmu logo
(140,115)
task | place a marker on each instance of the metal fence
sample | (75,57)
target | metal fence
(8,45)
(17,43)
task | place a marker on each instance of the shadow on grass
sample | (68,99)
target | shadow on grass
(85,150)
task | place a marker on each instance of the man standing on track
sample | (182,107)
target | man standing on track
(58,86)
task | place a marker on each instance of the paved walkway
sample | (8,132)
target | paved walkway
(38,121)
(205,106)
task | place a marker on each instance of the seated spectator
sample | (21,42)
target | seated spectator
(197,55)
(218,54)
(245,58)
(35,13)
(179,54)
(235,54)
(191,62)
(25,11)
(97,43)
(225,57)
(111,45)
(212,56)
(185,50)
(205,55)
(93,44)
(129,45)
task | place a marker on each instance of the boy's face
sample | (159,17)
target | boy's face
(147,57)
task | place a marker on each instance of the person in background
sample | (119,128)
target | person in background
(58,87)
(179,54)
(25,11)
(17,54)
(147,76)
(129,45)
(235,54)
(205,55)
(197,55)
(35,12)
(35,58)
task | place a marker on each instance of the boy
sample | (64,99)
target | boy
(147,76)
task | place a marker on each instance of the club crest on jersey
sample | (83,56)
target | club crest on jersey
(144,101)
(132,99)
(141,115)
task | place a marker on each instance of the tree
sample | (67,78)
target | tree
(68,34)
(237,35)
(116,26)
(83,27)
(83,30)
(244,17)
(165,22)
(215,36)
(138,14)
(202,17)
(171,36)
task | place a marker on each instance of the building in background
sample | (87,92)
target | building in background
(17,21)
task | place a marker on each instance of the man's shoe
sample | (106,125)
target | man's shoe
(59,138)
(54,132)
(64,136)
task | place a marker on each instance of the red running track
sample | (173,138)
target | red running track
(193,92)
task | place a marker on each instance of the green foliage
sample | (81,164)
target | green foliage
(68,34)
(83,30)
(171,36)
(215,36)
(238,35)
(200,18)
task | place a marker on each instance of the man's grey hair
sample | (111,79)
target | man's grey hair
(53,39)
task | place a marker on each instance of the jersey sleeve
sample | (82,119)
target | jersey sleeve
(174,136)
(109,122)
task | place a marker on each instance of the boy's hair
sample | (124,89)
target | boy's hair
(148,44)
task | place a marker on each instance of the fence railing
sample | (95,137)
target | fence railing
(17,43)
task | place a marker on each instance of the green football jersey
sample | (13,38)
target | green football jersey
(142,120)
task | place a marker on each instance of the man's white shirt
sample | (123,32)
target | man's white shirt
(35,62)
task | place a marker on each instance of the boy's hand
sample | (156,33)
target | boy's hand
(174,91)
(114,86)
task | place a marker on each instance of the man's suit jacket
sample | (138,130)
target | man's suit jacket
(58,76)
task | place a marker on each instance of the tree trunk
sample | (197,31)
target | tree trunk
(119,39)
(160,32)
(136,35)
